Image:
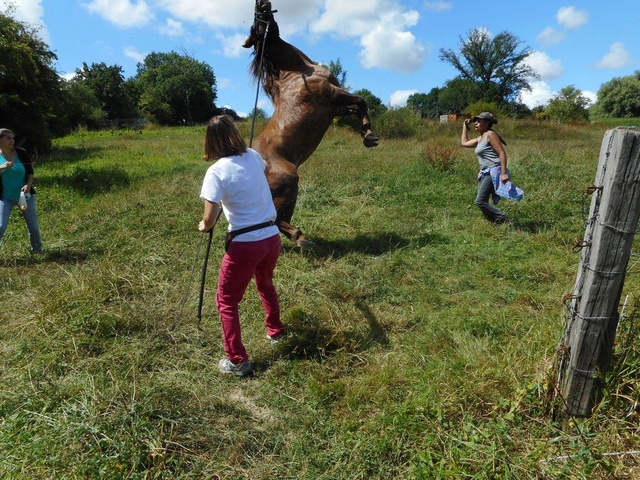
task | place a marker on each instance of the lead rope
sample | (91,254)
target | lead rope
(255,106)
(206,257)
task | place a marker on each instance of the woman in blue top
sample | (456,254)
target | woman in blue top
(491,154)
(16,175)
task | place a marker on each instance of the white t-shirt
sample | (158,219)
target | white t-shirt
(240,185)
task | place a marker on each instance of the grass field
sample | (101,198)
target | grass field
(421,344)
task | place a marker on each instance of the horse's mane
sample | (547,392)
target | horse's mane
(262,67)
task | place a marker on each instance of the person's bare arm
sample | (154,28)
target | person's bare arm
(209,217)
(464,137)
(495,142)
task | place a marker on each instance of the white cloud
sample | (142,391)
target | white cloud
(122,13)
(544,66)
(392,49)
(172,28)
(571,17)
(550,36)
(438,6)
(223,83)
(617,57)
(293,15)
(592,97)
(400,97)
(28,11)
(351,19)
(232,45)
(540,94)
(221,13)
(131,52)
(383,28)
(68,75)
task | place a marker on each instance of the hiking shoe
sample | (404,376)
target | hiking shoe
(275,339)
(241,369)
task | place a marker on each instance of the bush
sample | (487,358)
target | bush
(439,156)
(398,123)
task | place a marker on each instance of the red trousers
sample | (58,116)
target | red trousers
(242,262)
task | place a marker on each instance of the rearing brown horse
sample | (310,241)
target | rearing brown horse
(306,97)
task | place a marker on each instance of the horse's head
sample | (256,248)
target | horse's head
(262,20)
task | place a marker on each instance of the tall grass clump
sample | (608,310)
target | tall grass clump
(421,339)
(439,156)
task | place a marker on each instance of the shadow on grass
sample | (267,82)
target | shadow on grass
(91,180)
(53,256)
(307,339)
(532,226)
(69,155)
(364,244)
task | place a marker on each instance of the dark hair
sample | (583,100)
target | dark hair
(4,132)
(223,138)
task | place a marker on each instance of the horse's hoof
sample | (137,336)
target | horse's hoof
(371,140)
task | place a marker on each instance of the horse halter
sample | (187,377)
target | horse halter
(262,19)
(263,14)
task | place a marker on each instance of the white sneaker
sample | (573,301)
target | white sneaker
(241,369)
(275,339)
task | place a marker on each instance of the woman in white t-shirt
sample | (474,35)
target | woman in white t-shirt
(237,183)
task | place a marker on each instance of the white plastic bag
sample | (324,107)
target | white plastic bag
(22,201)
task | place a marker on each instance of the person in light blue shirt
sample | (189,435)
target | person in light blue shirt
(16,180)
(494,177)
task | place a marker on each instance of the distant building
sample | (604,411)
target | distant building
(453,117)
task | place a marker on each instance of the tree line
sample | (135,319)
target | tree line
(168,88)
(174,88)
(492,74)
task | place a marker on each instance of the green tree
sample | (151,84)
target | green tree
(457,94)
(620,97)
(109,86)
(258,113)
(338,72)
(231,112)
(30,88)
(80,106)
(425,104)
(176,89)
(570,105)
(496,65)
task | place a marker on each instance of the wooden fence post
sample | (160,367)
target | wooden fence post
(593,308)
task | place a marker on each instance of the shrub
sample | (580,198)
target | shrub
(439,156)
(398,123)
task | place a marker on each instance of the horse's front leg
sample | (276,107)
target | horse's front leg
(284,189)
(349,104)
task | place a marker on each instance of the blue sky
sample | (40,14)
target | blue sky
(390,47)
